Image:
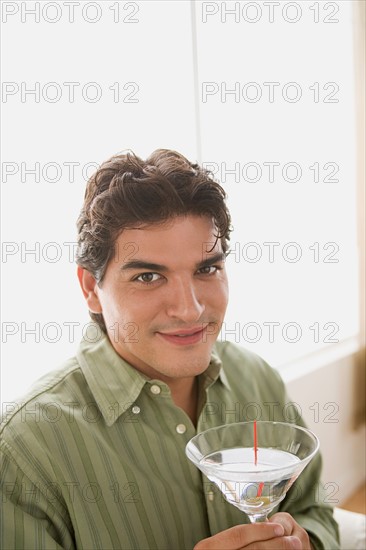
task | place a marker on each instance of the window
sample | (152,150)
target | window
(278,126)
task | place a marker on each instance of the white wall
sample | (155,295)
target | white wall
(143,50)
(327,398)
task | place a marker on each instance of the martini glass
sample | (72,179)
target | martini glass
(254,471)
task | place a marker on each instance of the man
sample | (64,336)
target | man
(101,463)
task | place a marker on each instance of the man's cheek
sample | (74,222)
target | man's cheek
(124,332)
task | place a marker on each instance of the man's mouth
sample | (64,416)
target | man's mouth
(185,337)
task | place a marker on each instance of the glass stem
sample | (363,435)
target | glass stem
(258,518)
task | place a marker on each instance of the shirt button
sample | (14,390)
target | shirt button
(181,429)
(210,496)
(136,409)
(155,389)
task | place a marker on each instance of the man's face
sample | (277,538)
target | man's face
(164,296)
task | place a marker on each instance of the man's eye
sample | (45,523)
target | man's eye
(208,269)
(148,277)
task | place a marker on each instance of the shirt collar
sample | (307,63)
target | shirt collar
(215,371)
(115,384)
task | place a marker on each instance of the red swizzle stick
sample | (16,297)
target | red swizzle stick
(261,485)
(255,443)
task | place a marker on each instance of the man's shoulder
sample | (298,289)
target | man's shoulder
(242,365)
(235,356)
(45,399)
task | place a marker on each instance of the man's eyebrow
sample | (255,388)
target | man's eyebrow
(219,257)
(142,264)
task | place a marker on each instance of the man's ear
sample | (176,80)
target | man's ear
(89,287)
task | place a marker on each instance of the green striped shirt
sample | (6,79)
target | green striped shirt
(94,457)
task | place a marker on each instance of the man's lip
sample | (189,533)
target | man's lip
(183,338)
(184,332)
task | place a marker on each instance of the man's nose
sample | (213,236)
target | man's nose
(183,301)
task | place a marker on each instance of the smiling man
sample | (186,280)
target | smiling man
(175,301)
(106,467)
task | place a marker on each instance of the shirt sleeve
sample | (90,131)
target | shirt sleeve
(29,519)
(307,501)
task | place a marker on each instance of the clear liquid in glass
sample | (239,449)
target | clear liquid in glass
(253,488)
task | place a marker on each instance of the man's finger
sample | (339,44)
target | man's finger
(292,528)
(240,536)
(285,520)
(279,543)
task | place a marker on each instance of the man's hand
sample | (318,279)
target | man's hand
(292,529)
(280,533)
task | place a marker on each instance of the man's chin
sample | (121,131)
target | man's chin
(188,366)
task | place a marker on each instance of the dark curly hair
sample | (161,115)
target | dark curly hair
(127,192)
